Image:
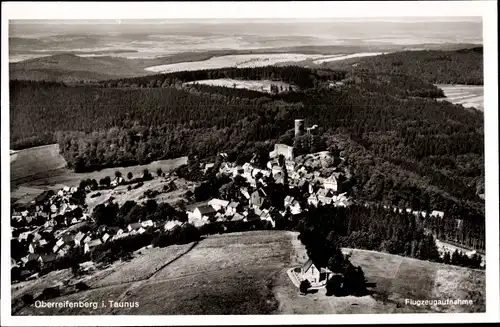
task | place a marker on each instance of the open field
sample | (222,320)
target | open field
(122,195)
(223,274)
(260,85)
(469,96)
(29,163)
(239,61)
(35,170)
(245,273)
(349,56)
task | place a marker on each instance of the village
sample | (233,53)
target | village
(50,228)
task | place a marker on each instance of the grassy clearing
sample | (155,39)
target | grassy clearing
(469,96)
(253,249)
(29,163)
(143,265)
(244,290)
(240,61)
(258,85)
(35,170)
(121,194)
(224,274)
(407,278)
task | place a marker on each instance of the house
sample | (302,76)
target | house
(30,257)
(105,237)
(171,224)
(117,181)
(23,236)
(309,272)
(205,211)
(290,165)
(279,178)
(147,223)
(220,217)
(73,190)
(232,208)
(324,192)
(225,168)
(207,167)
(436,213)
(237,217)
(282,149)
(325,200)
(134,226)
(265,173)
(245,192)
(66,189)
(68,238)
(276,170)
(79,238)
(247,167)
(312,200)
(90,245)
(140,230)
(251,181)
(331,183)
(238,171)
(288,200)
(257,198)
(60,242)
(13,263)
(61,252)
(295,208)
(46,258)
(49,223)
(218,204)
(32,247)
(266,215)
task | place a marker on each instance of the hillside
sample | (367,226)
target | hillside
(245,273)
(69,67)
(464,66)
(73,68)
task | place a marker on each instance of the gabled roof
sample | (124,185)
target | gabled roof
(237,216)
(206,209)
(68,238)
(33,256)
(135,226)
(48,257)
(218,202)
(307,265)
(95,242)
(322,192)
(234,204)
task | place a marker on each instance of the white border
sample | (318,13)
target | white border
(105,10)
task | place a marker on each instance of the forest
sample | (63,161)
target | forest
(463,66)
(403,147)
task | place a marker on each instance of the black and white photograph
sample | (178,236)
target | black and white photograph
(260,165)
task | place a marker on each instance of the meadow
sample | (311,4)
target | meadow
(245,273)
(37,169)
(239,61)
(469,96)
(259,85)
